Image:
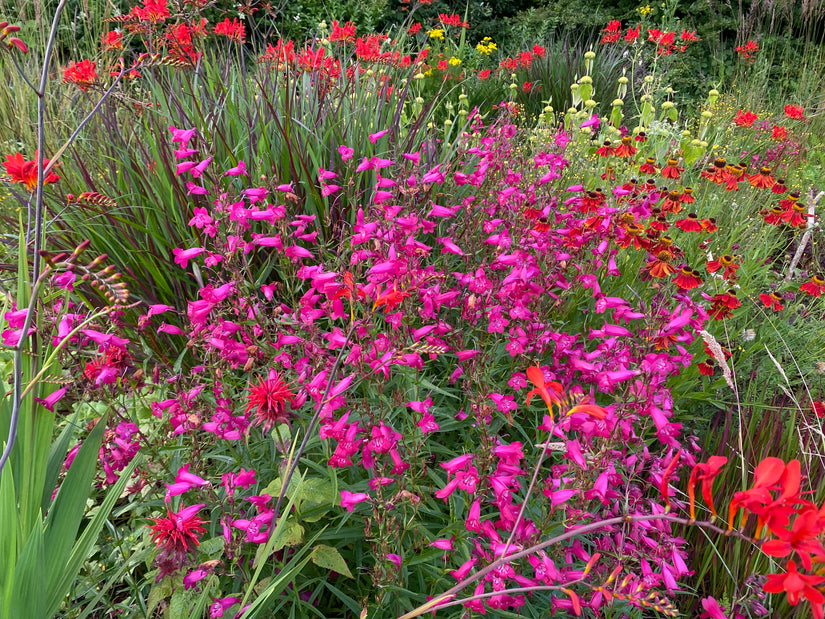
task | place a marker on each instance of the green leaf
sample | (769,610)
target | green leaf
(329,558)
(159,591)
(177,605)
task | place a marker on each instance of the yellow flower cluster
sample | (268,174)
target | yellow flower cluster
(436,33)
(454,61)
(645,10)
(486,46)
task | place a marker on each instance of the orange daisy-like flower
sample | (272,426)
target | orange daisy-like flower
(661,265)
(626,148)
(716,172)
(772,301)
(672,169)
(779,186)
(672,203)
(269,397)
(709,225)
(762,179)
(687,196)
(22,171)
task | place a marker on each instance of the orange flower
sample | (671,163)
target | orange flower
(705,473)
(626,148)
(666,474)
(815,287)
(761,180)
(536,376)
(22,171)
(672,169)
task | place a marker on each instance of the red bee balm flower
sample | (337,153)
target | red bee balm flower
(268,397)
(22,171)
(178,531)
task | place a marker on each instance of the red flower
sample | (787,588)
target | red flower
(672,169)
(687,279)
(762,179)
(796,585)
(346,33)
(22,171)
(626,148)
(605,150)
(649,166)
(233,30)
(539,51)
(819,408)
(723,304)
(483,75)
(178,531)
(779,133)
(414,29)
(772,301)
(747,51)
(82,74)
(800,539)
(663,485)
(112,40)
(797,112)
(690,224)
(744,119)
(268,397)
(815,287)
(779,186)
(705,473)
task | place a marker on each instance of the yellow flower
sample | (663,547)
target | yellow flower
(454,61)
(436,33)
(645,10)
(486,46)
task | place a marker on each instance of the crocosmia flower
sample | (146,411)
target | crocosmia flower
(22,171)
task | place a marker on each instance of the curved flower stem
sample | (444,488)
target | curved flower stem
(529,488)
(448,597)
(293,465)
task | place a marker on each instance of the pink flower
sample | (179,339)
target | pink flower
(182,135)
(346,152)
(443,544)
(238,170)
(183,256)
(183,482)
(350,499)
(374,137)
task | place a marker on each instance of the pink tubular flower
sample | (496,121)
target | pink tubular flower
(346,152)
(182,256)
(350,499)
(374,137)
(184,481)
